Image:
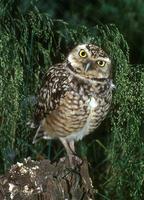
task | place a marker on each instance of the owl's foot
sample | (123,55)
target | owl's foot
(73,160)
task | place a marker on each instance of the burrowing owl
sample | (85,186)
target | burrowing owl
(75,96)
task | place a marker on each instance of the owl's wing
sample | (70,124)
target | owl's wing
(53,89)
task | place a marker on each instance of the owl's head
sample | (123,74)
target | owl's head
(90,62)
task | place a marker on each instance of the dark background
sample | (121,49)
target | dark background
(128,15)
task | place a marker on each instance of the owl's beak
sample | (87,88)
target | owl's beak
(88,65)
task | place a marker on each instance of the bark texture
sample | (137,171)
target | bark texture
(43,180)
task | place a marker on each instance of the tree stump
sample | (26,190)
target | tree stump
(43,180)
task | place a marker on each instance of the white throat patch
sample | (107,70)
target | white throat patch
(92,103)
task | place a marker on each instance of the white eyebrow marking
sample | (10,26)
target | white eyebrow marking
(104,59)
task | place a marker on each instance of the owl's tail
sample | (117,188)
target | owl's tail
(40,134)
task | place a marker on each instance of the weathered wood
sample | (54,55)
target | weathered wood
(42,180)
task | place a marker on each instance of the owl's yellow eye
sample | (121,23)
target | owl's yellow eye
(101,63)
(82,53)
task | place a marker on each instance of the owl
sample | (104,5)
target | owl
(75,97)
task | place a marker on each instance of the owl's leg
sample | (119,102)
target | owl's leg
(70,149)
(72,146)
(69,146)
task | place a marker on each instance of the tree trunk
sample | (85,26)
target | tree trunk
(43,180)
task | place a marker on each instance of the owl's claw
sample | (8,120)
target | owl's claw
(73,160)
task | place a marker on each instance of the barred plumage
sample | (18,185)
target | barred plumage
(75,96)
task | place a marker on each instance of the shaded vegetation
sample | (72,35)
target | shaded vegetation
(31,39)
(128,15)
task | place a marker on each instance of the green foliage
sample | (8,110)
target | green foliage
(128,15)
(29,43)
(126,151)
